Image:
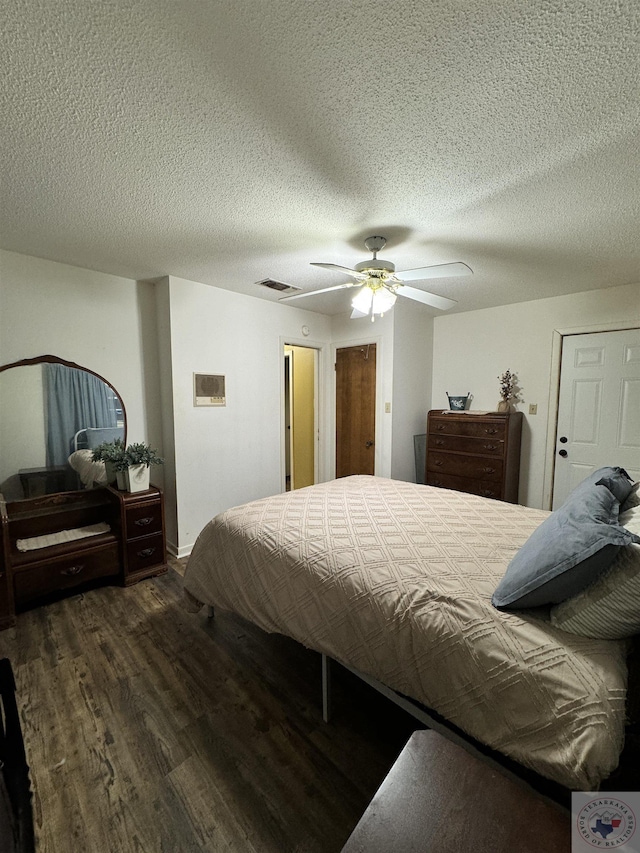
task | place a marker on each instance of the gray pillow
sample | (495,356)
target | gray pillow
(615,479)
(572,547)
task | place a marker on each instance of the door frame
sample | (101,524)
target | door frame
(381,435)
(320,414)
(554,394)
(288,438)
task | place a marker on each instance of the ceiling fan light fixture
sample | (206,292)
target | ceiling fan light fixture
(383,300)
(373,300)
(362,300)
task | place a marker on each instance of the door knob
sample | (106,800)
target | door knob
(369,444)
(563,453)
(563,439)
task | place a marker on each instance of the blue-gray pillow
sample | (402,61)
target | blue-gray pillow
(572,547)
(615,479)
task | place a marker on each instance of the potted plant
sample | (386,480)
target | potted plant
(109,452)
(136,463)
(508,390)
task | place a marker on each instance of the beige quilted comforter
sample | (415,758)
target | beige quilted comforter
(395,580)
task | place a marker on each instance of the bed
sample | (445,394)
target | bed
(395,580)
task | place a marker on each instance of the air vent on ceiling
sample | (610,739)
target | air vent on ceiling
(277,285)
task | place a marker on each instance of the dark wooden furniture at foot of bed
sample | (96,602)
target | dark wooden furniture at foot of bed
(438,797)
(131,548)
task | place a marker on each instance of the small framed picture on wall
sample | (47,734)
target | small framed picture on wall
(209,389)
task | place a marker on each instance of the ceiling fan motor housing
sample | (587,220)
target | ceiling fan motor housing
(366,266)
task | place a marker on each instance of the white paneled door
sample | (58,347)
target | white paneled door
(599,407)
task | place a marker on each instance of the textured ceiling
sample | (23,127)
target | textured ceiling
(226,142)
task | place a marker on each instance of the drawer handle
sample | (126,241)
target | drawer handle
(72,570)
(488,470)
(491,431)
(490,446)
(146,552)
(487,493)
(142,522)
(438,442)
(440,427)
(438,462)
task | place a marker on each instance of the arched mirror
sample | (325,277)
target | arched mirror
(52,414)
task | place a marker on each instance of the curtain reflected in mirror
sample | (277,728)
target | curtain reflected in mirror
(49,410)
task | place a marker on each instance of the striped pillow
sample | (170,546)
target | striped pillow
(608,609)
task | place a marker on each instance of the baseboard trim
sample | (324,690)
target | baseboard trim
(179,553)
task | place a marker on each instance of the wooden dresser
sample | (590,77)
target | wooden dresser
(133,548)
(476,453)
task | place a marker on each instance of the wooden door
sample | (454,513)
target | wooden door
(599,407)
(355,410)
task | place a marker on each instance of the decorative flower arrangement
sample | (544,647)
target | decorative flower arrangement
(507,385)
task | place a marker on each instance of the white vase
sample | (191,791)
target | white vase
(121,480)
(137,478)
(112,474)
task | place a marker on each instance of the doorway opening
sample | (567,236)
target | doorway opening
(301,432)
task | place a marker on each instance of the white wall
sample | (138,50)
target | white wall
(412,355)
(472,349)
(228,455)
(102,322)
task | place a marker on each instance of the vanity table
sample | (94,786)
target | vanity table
(46,404)
(131,549)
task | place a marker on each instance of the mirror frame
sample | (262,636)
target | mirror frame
(54,359)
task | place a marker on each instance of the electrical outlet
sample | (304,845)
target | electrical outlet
(387,408)
(533,408)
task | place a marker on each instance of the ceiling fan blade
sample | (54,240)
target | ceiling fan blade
(338,268)
(436,271)
(432,299)
(301,295)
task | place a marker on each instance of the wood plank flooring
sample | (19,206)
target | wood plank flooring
(152,730)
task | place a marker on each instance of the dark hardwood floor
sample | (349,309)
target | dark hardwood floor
(153,730)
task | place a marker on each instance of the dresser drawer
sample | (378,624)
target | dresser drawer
(467,426)
(474,467)
(144,553)
(65,572)
(464,484)
(143,519)
(468,444)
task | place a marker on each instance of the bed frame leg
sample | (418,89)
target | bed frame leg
(326,688)
(210,613)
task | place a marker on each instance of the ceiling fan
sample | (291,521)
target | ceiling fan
(380,284)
